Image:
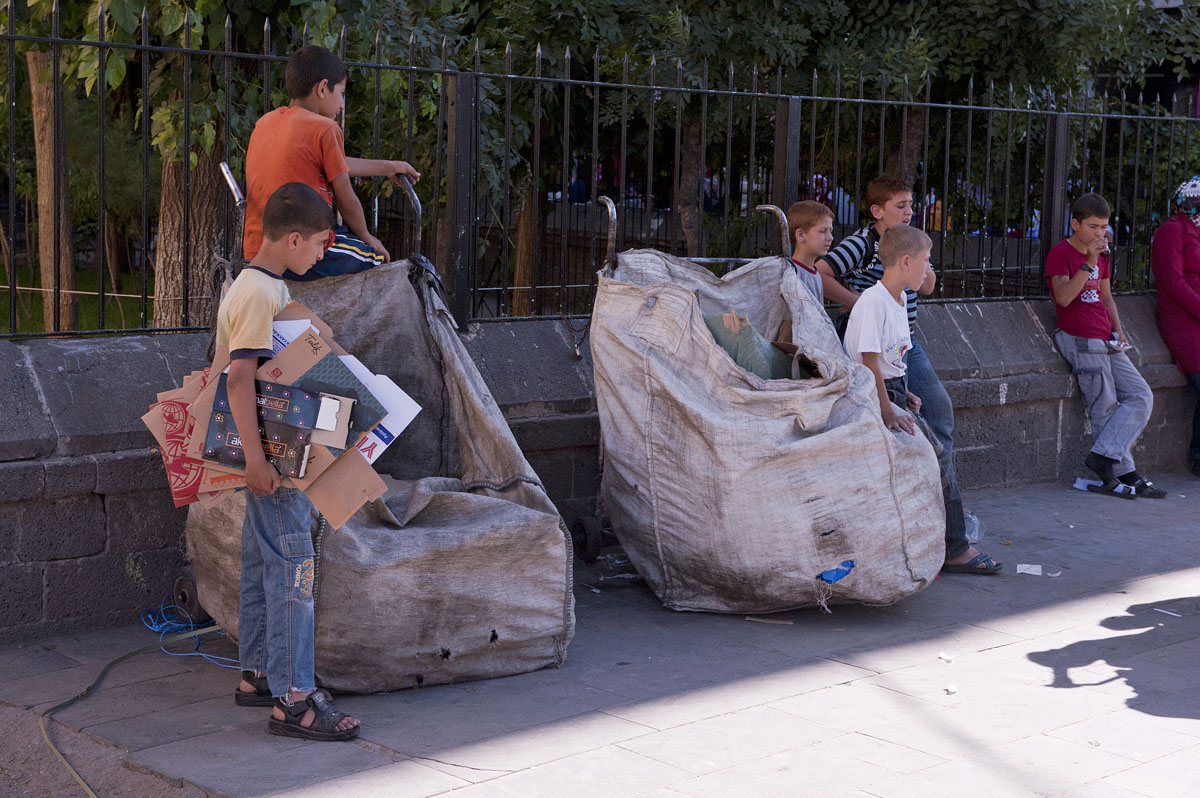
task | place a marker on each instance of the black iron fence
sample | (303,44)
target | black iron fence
(114,213)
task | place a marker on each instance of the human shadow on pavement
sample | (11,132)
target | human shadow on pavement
(1157,663)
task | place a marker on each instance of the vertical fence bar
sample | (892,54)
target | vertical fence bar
(810,189)
(266,66)
(651,107)
(1008,150)
(1026,218)
(60,168)
(1170,167)
(461,200)
(443,98)
(145,120)
(924,173)
(187,166)
(837,134)
(703,153)
(506,199)
(727,176)
(12,168)
(476,283)
(751,164)
(967,185)
(787,151)
(101,96)
(1131,257)
(376,128)
(564,198)
(411,109)
(985,232)
(945,214)
(883,79)
(226,198)
(621,161)
(536,249)
(1055,176)
(1103,141)
(1150,196)
(904,130)
(858,199)
(593,175)
(677,225)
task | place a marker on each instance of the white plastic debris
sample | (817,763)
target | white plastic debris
(1032,570)
(944,657)
(1168,612)
(1053,574)
(951,689)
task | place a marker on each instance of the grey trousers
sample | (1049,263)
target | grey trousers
(1117,399)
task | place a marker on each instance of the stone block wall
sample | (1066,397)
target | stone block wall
(89,536)
(88,533)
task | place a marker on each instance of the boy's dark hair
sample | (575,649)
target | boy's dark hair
(1090,205)
(900,240)
(310,65)
(883,188)
(295,208)
(805,215)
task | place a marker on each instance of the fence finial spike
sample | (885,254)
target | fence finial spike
(507,49)
(537,53)
(567,53)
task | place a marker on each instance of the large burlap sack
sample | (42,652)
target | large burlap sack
(736,494)
(463,569)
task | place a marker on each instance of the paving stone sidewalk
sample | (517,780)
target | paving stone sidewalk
(1081,682)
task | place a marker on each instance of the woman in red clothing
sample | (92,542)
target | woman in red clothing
(1175,258)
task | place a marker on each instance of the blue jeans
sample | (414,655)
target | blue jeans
(348,254)
(1118,401)
(938,413)
(275,618)
(1194,448)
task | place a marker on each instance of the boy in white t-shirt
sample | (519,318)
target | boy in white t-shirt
(878,336)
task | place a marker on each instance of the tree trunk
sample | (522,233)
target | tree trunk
(204,241)
(42,100)
(904,158)
(691,161)
(523,276)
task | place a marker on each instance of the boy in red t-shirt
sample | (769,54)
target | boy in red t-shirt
(301,142)
(1090,337)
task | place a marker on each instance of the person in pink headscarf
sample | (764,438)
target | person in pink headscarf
(1175,259)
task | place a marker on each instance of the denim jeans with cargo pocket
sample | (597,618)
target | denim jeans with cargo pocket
(275,618)
(938,413)
(1117,399)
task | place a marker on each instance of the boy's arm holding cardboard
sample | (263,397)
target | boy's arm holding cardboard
(890,418)
(261,476)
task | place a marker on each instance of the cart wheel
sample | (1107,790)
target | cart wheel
(186,597)
(586,536)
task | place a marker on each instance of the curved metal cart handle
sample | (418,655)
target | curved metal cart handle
(781,218)
(415,202)
(610,253)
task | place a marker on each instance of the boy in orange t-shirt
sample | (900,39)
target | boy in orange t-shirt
(301,142)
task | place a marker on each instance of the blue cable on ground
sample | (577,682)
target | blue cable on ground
(171,619)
